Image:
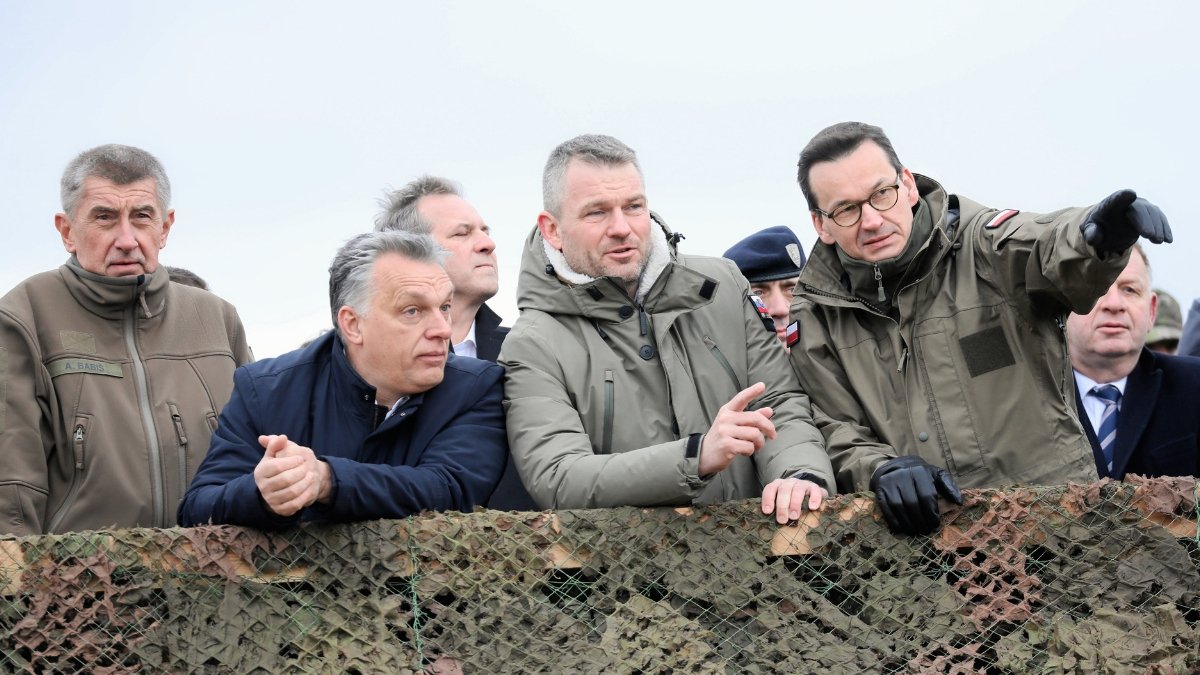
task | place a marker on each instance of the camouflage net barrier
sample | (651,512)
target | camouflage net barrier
(1099,578)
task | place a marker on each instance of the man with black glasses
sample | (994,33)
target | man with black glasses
(930,329)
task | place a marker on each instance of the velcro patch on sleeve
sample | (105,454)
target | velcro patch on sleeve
(792,336)
(998,219)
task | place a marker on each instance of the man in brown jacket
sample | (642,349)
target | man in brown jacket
(111,376)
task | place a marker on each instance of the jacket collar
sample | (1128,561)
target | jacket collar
(826,277)
(548,284)
(348,382)
(110,297)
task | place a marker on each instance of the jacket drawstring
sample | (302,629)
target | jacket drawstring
(643,320)
(145,307)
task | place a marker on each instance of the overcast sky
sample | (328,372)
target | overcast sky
(280,124)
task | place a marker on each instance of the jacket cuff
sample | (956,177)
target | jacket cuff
(691,462)
(810,477)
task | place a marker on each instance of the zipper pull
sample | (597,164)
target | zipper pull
(903,360)
(879,280)
(79,447)
(178,420)
(643,320)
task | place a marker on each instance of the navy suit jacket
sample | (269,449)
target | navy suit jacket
(510,494)
(489,334)
(1158,428)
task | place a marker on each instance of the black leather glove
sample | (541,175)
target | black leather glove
(906,489)
(1120,218)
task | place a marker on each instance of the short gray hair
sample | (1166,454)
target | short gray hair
(350,271)
(400,206)
(121,164)
(595,149)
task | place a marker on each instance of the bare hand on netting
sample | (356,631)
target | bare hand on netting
(736,431)
(785,497)
(289,476)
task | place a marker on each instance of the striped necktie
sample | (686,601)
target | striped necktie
(1106,433)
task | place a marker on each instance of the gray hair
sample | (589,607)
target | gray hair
(835,142)
(595,149)
(400,206)
(121,164)
(350,271)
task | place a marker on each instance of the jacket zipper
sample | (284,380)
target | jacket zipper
(182,438)
(609,404)
(716,352)
(79,440)
(152,444)
(1066,357)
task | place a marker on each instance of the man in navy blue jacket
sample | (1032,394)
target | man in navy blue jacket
(373,420)
(1140,409)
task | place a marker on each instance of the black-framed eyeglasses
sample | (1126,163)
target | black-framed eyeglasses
(882,199)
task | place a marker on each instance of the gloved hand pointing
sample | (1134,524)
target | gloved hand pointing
(1120,218)
(906,489)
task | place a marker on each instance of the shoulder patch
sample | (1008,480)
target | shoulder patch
(792,336)
(998,219)
(763,312)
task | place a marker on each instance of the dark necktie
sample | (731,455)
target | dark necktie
(1106,433)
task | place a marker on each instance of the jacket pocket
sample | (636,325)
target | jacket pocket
(610,400)
(716,352)
(79,436)
(950,405)
(181,441)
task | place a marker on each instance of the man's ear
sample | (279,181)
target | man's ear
(912,194)
(548,225)
(348,324)
(166,229)
(820,227)
(63,224)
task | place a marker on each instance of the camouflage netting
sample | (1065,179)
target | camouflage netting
(1084,578)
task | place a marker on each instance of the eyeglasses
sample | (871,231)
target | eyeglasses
(882,199)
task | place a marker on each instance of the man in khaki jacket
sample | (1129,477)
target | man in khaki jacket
(931,328)
(111,375)
(638,376)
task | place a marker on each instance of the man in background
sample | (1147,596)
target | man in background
(771,261)
(1168,325)
(435,206)
(1139,407)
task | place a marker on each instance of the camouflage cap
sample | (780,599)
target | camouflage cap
(1169,323)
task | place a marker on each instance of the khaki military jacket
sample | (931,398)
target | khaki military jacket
(971,372)
(603,392)
(110,391)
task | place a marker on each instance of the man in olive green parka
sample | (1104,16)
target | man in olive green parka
(930,329)
(640,377)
